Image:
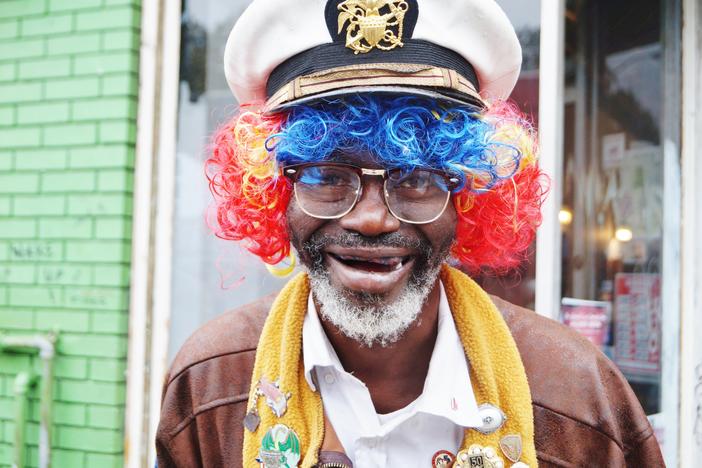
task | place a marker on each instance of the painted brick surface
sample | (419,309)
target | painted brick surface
(68,103)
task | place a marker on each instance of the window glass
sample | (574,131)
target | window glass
(618,77)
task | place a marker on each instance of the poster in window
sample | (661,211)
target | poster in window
(590,318)
(637,325)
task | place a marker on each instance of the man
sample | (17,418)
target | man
(373,141)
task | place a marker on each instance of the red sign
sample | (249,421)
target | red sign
(590,318)
(637,324)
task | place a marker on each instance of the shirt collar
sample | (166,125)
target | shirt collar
(447,389)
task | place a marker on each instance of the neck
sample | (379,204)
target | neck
(394,374)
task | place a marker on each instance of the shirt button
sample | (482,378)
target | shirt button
(329,378)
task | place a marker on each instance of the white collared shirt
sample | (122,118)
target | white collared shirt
(411,435)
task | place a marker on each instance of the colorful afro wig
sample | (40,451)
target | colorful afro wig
(496,151)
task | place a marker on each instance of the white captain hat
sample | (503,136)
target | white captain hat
(290,51)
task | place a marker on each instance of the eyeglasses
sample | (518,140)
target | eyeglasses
(328,190)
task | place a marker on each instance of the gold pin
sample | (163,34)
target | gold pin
(372,24)
(511,446)
(477,456)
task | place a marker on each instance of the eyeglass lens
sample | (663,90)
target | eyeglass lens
(416,196)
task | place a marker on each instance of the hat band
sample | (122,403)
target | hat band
(375,76)
(335,55)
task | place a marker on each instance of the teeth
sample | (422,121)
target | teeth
(388,261)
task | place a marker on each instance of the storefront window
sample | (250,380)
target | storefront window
(618,77)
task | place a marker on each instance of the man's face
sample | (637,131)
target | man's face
(370,272)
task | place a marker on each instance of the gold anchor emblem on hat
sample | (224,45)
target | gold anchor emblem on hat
(372,24)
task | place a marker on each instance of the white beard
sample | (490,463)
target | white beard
(373,322)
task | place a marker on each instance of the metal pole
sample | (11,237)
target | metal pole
(44,346)
(23,382)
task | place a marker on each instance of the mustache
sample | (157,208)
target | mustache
(318,241)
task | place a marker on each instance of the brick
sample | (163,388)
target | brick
(42,113)
(69,134)
(66,5)
(3,290)
(32,296)
(74,44)
(97,251)
(98,298)
(105,460)
(121,84)
(39,205)
(66,367)
(108,370)
(108,417)
(66,228)
(108,18)
(99,205)
(68,413)
(21,49)
(17,320)
(105,346)
(7,72)
(20,92)
(20,8)
(111,275)
(7,116)
(35,251)
(7,408)
(89,439)
(113,228)
(67,458)
(45,68)
(118,132)
(106,63)
(12,228)
(120,40)
(12,364)
(72,88)
(9,29)
(66,321)
(116,181)
(5,160)
(112,323)
(68,182)
(18,183)
(41,159)
(19,137)
(107,156)
(47,25)
(17,274)
(63,274)
(5,210)
(122,2)
(4,254)
(106,108)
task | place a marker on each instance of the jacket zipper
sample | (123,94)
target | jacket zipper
(333,465)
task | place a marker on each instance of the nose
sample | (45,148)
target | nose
(370,217)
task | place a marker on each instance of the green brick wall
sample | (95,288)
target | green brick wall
(68,101)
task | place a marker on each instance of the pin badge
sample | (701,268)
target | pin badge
(443,459)
(493,418)
(276,400)
(280,448)
(477,456)
(511,446)
(252,420)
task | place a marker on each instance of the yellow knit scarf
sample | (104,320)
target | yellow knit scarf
(496,371)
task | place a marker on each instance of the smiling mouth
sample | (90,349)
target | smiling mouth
(374,265)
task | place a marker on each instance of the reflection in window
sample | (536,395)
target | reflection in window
(611,216)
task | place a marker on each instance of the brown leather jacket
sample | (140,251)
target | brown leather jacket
(585,414)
